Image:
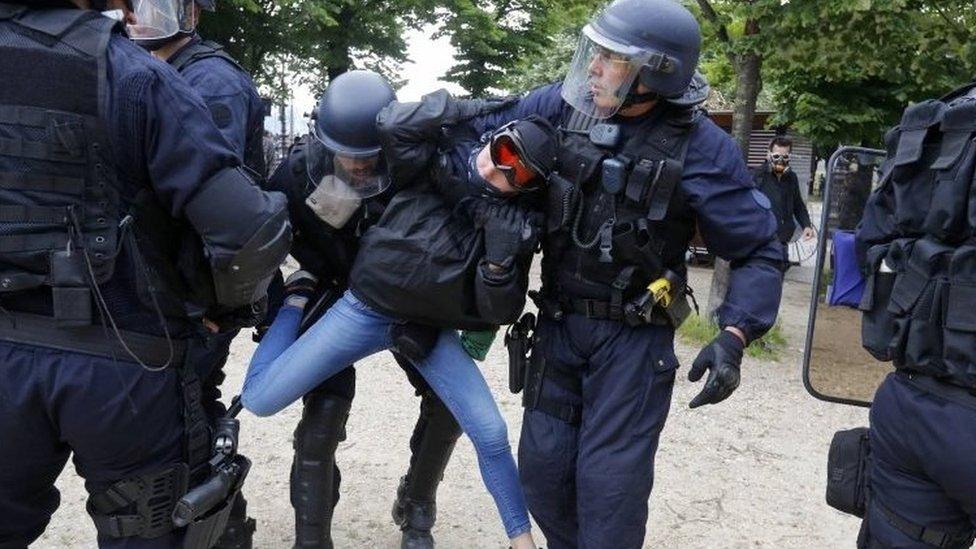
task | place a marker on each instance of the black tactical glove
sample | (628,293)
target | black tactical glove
(722,358)
(223,320)
(509,232)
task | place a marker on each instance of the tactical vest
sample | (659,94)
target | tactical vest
(59,205)
(198,49)
(615,218)
(917,242)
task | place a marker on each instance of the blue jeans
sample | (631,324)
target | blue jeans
(283,369)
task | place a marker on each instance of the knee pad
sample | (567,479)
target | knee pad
(322,426)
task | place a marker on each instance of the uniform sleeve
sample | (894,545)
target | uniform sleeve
(184,148)
(738,226)
(227,94)
(544,101)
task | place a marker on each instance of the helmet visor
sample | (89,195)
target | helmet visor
(348,176)
(160,19)
(601,74)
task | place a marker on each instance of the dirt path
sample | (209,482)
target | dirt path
(747,473)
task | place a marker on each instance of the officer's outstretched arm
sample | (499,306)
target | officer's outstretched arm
(738,226)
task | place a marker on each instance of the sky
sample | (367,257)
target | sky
(429,61)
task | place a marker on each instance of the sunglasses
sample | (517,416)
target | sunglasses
(780,157)
(508,157)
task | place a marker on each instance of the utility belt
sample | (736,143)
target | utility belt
(152,504)
(962,396)
(44,331)
(663,303)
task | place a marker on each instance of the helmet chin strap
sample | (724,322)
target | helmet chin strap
(635,98)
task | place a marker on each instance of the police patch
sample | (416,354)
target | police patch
(221,114)
(761,199)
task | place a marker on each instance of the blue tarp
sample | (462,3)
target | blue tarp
(848,283)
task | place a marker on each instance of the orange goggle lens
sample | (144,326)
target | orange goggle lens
(506,158)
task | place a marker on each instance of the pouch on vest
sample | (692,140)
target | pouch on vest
(918,147)
(959,335)
(57,188)
(946,218)
(848,471)
(928,268)
(562,196)
(878,327)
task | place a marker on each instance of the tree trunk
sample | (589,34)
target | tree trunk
(747,84)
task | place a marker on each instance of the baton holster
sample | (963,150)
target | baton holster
(518,341)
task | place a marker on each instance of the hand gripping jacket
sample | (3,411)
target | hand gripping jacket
(917,244)
(616,221)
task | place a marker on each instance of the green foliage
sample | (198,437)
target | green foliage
(841,71)
(511,44)
(314,39)
(849,68)
(699,331)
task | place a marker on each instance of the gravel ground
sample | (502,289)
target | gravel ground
(747,473)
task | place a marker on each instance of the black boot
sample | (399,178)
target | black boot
(314,477)
(239,533)
(432,444)
(414,518)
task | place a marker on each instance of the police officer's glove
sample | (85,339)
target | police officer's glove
(225,320)
(509,232)
(721,358)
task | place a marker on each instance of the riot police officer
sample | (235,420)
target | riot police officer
(639,167)
(113,175)
(329,219)
(915,243)
(168,29)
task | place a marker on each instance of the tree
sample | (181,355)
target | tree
(314,39)
(850,68)
(514,44)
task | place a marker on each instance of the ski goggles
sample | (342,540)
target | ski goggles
(509,156)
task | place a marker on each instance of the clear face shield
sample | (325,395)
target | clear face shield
(341,182)
(159,20)
(601,74)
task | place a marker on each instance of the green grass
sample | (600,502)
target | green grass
(699,331)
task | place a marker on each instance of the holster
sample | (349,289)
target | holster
(518,341)
(848,472)
(413,341)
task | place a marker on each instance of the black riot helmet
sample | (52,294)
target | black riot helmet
(343,156)
(652,42)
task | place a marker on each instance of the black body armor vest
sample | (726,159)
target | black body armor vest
(917,246)
(616,218)
(59,203)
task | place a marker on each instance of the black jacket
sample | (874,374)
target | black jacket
(787,202)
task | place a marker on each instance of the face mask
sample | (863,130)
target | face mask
(332,209)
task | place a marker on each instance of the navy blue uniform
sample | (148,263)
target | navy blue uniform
(923,445)
(233,101)
(117,418)
(587,478)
